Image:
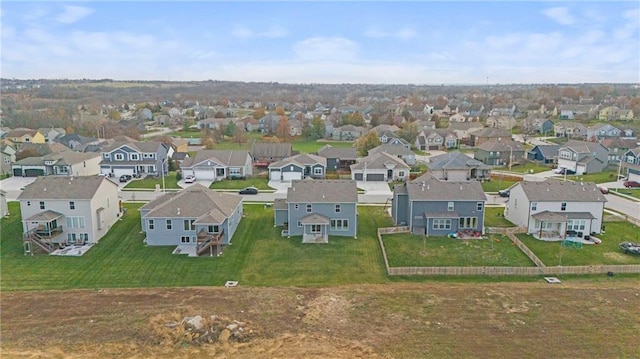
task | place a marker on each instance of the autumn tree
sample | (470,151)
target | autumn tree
(115,115)
(280,111)
(354,119)
(259,113)
(239,135)
(367,142)
(219,114)
(314,129)
(283,129)
(409,132)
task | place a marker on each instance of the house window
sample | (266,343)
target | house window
(317,170)
(576,225)
(339,224)
(299,223)
(188,225)
(296,206)
(75,222)
(309,208)
(41,204)
(118,157)
(134,157)
(107,155)
(213,229)
(450,206)
(441,224)
(28,203)
(534,206)
(400,173)
(479,206)
(467,222)
(234,171)
(338,209)
(152,225)
(72,205)
(563,206)
(169,224)
(315,228)
(185,239)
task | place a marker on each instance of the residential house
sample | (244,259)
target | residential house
(617,147)
(338,158)
(458,117)
(197,220)
(544,153)
(583,157)
(609,113)
(462,130)
(24,135)
(551,208)
(58,210)
(297,167)
(347,132)
(175,144)
(503,111)
(265,153)
(570,130)
(66,163)
(499,153)
(503,122)
(51,133)
(251,124)
(440,139)
(431,207)
(135,158)
(578,112)
(213,123)
(630,163)
(536,125)
(216,165)
(269,123)
(77,142)
(7,156)
(478,137)
(601,131)
(380,167)
(317,209)
(399,150)
(626,115)
(456,166)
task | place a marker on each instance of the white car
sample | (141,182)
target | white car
(190,179)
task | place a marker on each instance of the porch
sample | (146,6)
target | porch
(561,226)
(315,229)
(209,243)
(42,233)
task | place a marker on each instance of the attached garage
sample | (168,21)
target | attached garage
(357,176)
(17,172)
(205,174)
(375,176)
(274,175)
(289,176)
(33,172)
(457,176)
(117,172)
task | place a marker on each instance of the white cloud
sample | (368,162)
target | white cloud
(72,14)
(404,33)
(243,32)
(337,48)
(560,15)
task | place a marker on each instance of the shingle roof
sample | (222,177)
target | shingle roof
(322,191)
(344,153)
(266,149)
(197,201)
(429,188)
(548,150)
(225,157)
(501,146)
(557,191)
(379,161)
(58,187)
(397,150)
(581,146)
(303,159)
(454,161)
(491,132)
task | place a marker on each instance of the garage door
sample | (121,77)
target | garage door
(375,177)
(17,172)
(209,175)
(288,176)
(274,175)
(456,176)
(33,172)
(117,172)
(357,176)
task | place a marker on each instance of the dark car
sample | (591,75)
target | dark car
(630,184)
(125,178)
(504,193)
(249,190)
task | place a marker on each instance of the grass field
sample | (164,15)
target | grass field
(601,177)
(496,185)
(494,217)
(170,181)
(529,167)
(257,182)
(607,252)
(258,256)
(408,250)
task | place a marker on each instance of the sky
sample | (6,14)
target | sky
(373,42)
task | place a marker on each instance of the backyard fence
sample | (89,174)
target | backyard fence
(621,217)
(539,269)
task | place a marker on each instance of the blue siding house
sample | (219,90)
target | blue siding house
(317,209)
(544,153)
(135,158)
(432,207)
(197,220)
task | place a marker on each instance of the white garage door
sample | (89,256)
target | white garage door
(274,175)
(205,174)
(456,176)
(117,172)
(288,176)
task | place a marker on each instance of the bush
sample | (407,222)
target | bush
(178,176)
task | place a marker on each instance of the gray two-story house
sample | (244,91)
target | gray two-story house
(432,207)
(499,152)
(317,209)
(338,158)
(135,158)
(197,220)
(583,157)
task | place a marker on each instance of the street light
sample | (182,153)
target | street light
(162,169)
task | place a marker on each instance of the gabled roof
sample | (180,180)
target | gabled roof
(196,201)
(559,191)
(344,153)
(322,191)
(616,142)
(501,146)
(150,146)
(267,149)
(429,188)
(581,146)
(58,187)
(397,150)
(455,160)
(380,160)
(491,132)
(224,157)
(547,150)
(302,160)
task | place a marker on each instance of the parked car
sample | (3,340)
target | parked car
(190,179)
(125,178)
(563,171)
(504,193)
(249,190)
(630,184)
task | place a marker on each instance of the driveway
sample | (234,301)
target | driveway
(279,186)
(13,185)
(375,188)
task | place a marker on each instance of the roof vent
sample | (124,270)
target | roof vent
(178,210)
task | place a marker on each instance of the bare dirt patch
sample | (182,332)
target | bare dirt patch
(435,320)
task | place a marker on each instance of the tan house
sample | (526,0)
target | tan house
(25,135)
(502,122)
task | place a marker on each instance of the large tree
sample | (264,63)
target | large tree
(283,129)
(409,132)
(367,142)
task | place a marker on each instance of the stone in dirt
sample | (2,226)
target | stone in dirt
(225,334)
(196,323)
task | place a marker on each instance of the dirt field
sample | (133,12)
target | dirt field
(577,319)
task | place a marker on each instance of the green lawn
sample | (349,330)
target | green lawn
(170,181)
(601,177)
(404,250)
(494,217)
(312,146)
(607,252)
(529,167)
(635,192)
(496,185)
(259,256)
(257,182)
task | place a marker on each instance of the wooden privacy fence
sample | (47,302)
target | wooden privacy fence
(539,269)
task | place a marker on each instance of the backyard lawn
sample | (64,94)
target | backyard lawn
(494,217)
(259,256)
(409,250)
(529,167)
(170,181)
(607,252)
(312,146)
(496,185)
(601,177)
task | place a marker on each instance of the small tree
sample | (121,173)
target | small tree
(283,129)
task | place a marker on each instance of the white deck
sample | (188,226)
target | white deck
(189,250)
(72,250)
